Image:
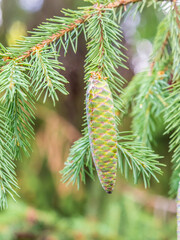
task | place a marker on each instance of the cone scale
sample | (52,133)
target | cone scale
(102,130)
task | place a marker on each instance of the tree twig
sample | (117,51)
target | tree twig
(72,26)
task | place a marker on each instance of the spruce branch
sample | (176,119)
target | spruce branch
(45,77)
(147,92)
(79,162)
(104,52)
(172,118)
(147,112)
(163,95)
(37,56)
(19,104)
(160,64)
(160,50)
(172,121)
(103,58)
(174,19)
(49,40)
(131,156)
(130,92)
(8,182)
(140,160)
(74,23)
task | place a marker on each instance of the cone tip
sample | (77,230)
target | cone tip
(109,192)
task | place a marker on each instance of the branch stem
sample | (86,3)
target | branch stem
(72,26)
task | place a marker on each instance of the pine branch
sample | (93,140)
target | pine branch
(50,39)
(37,56)
(8,182)
(160,64)
(172,118)
(45,77)
(68,28)
(150,103)
(160,51)
(147,92)
(19,104)
(103,58)
(79,162)
(131,156)
(175,40)
(104,52)
(141,160)
(130,92)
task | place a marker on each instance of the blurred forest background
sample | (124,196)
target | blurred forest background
(50,210)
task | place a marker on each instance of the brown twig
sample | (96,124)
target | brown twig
(69,28)
(72,26)
(54,37)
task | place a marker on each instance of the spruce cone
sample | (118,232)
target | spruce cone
(102,130)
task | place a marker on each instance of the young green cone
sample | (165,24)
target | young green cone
(102,130)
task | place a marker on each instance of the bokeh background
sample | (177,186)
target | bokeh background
(48,209)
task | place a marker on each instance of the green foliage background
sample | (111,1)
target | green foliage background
(49,209)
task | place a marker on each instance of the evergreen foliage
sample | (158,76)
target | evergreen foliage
(31,69)
(155,93)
